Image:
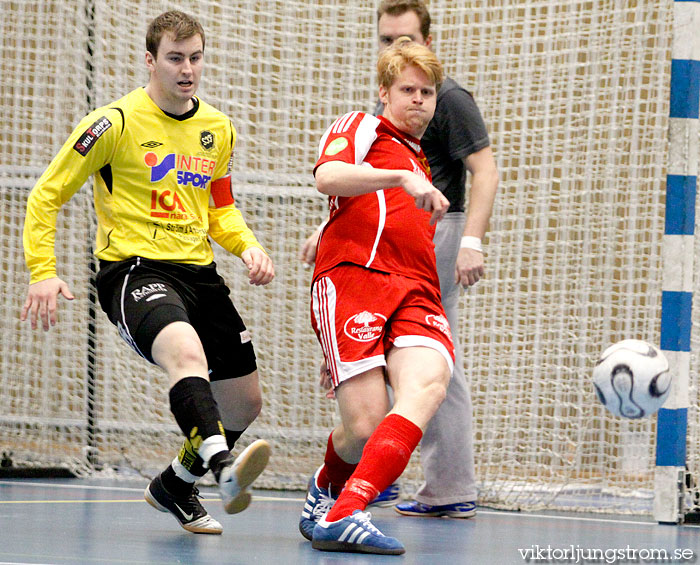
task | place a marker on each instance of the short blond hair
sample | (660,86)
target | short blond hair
(403,53)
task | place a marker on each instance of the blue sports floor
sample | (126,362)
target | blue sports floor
(75,521)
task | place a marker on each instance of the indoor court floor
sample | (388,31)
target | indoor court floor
(77,521)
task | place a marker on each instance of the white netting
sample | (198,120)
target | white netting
(575,96)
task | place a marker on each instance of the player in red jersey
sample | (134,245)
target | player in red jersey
(455,142)
(376,301)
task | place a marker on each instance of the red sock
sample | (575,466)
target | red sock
(384,458)
(335,471)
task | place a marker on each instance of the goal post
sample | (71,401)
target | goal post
(575,95)
(679,262)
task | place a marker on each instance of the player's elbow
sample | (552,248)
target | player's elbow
(493,175)
(487,175)
(327,179)
(324,184)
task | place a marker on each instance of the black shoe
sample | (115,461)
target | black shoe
(188,510)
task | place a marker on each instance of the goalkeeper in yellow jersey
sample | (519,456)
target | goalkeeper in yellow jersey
(161,161)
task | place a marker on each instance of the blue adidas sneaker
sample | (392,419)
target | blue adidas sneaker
(354,534)
(318,502)
(388,497)
(457,510)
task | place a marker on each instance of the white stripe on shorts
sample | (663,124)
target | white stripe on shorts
(323,294)
(424,341)
(122,327)
(323,303)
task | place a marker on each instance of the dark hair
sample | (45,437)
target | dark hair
(178,24)
(399,7)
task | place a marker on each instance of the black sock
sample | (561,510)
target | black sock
(218,461)
(232,437)
(195,410)
(174,484)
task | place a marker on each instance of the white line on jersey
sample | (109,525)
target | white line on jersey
(343,124)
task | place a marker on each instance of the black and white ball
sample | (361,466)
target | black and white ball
(632,379)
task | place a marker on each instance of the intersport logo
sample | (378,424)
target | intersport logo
(190,170)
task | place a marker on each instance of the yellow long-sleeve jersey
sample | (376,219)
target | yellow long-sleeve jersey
(162,185)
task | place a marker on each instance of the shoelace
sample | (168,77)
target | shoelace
(195,493)
(324,504)
(364,519)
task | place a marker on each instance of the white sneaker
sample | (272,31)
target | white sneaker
(237,477)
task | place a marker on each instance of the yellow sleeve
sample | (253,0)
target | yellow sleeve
(228,228)
(226,224)
(87,150)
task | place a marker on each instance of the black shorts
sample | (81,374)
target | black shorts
(142,296)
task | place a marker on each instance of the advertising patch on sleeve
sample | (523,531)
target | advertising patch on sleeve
(87,141)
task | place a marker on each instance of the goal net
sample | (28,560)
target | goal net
(575,96)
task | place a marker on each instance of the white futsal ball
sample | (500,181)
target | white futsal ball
(632,379)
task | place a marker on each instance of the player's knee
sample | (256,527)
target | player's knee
(177,349)
(189,353)
(252,406)
(436,392)
(426,398)
(240,415)
(182,366)
(252,401)
(363,427)
(441,378)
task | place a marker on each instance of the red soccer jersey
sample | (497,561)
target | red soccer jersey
(381,230)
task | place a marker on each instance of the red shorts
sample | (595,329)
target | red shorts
(359,314)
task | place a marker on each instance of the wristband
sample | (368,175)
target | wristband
(471,242)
